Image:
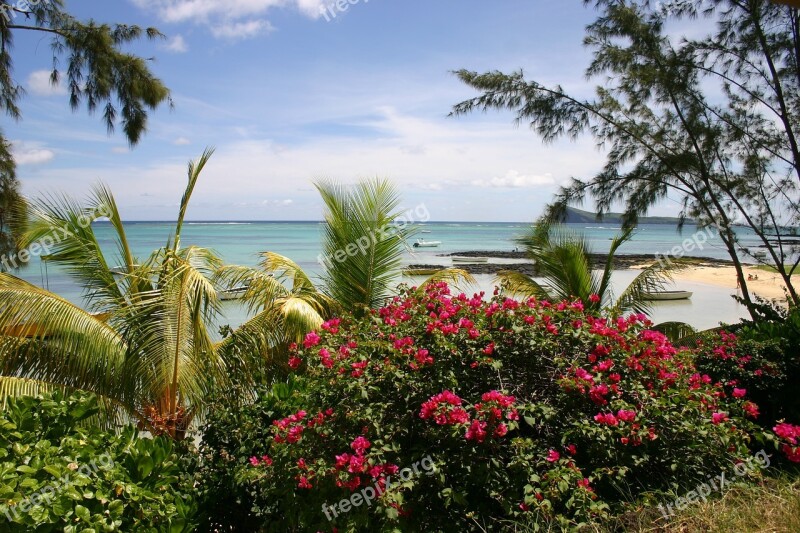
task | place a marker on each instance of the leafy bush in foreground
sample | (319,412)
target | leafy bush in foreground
(763,371)
(56,475)
(527,412)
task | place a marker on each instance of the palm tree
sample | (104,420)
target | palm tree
(563,259)
(142,344)
(362,250)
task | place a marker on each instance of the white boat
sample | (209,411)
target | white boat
(425,231)
(422,243)
(232,294)
(668,295)
(468,260)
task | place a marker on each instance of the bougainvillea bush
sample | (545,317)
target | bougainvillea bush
(528,412)
(765,372)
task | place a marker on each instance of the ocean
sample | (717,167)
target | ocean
(241,242)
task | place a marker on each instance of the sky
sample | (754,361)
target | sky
(289,94)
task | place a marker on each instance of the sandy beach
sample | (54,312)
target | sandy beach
(714,273)
(768,285)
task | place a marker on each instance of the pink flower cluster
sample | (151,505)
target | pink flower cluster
(357,463)
(290,429)
(789,433)
(446,408)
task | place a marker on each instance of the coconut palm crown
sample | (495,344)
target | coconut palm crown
(141,342)
(563,259)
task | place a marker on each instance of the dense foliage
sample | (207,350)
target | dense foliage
(441,412)
(59,473)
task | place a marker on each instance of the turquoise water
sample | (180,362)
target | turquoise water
(241,242)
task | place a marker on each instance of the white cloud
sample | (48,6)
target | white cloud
(28,153)
(457,154)
(177,45)
(280,203)
(181,141)
(240,30)
(39,84)
(514,180)
(121,150)
(230,19)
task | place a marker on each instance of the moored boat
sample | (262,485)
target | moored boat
(422,243)
(668,295)
(232,294)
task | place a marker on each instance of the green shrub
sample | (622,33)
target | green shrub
(60,474)
(466,415)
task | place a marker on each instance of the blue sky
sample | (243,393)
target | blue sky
(287,97)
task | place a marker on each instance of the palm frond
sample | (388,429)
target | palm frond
(194,170)
(457,277)
(518,284)
(562,259)
(52,340)
(617,241)
(62,228)
(675,331)
(361,244)
(652,278)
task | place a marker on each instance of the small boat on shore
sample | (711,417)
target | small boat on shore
(469,260)
(668,295)
(232,294)
(422,243)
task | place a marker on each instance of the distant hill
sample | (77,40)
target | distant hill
(578,216)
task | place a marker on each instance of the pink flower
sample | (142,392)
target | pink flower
(553,456)
(360,444)
(739,393)
(606,418)
(295,362)
(585,484)
(266,460)
(312,339)
(496,396)
(476,431)
(594,298)
(787,432)
(792,453)
(304,483)
(626,416)
(572,449)
(489,350)
(332,325)
(718,418)
(750,409)
(500,430)
(254,461)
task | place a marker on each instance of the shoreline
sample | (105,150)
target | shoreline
(718,273)
(621,262)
